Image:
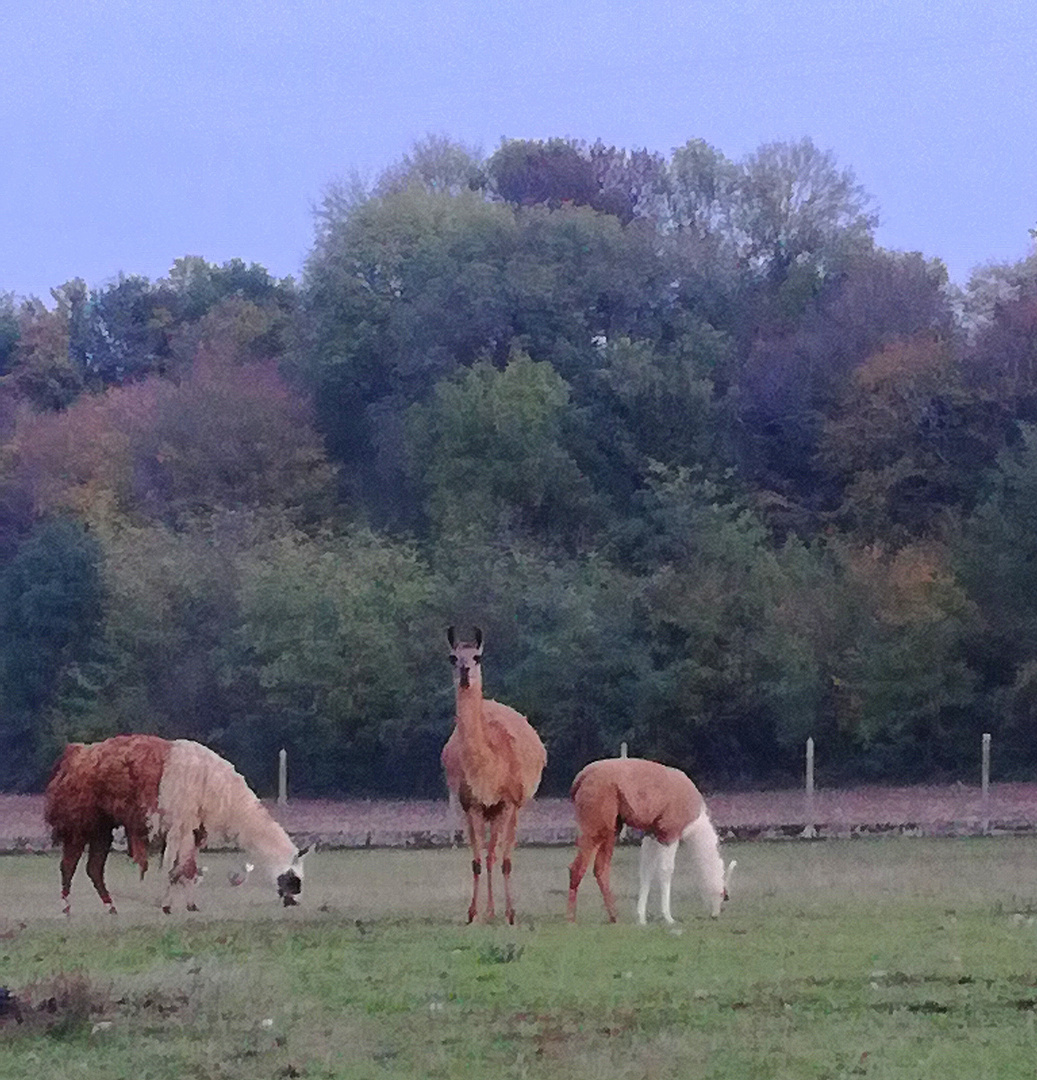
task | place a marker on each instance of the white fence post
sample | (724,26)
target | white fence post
(622,749)
(985,782)
(809,830)
(282,777)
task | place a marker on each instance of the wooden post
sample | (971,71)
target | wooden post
(282,777)
(985,782)
(809,830)
(622,749)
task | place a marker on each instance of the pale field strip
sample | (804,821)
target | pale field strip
(947,809)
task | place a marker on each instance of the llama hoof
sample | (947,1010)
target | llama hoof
(167,909)
(192,907)
(111,910)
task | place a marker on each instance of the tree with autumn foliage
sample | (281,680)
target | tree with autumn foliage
(712,470)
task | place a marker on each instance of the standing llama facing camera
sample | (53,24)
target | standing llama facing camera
(667,807)
(493,761)
(171,793)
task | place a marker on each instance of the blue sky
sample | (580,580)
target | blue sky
(132,133)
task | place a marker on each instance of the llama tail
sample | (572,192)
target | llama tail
(702,838)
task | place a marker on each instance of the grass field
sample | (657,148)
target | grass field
(888,958)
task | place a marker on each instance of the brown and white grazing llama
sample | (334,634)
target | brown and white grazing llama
(493,761)
(667,807)
(176,794)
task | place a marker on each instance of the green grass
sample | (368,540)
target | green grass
(870,958)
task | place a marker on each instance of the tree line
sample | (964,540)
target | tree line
(711,469)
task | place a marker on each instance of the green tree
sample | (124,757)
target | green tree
(172,605)
(435,163)
(996,558)
(488,450)
(9,331)
(338,659)
(51,614)
(528,172)
(735,684)
(797,208)
(38,368)
(908,439)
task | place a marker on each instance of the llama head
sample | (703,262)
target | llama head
(289,882)
(465,658)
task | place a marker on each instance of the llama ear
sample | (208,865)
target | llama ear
(450,636)
(478,638)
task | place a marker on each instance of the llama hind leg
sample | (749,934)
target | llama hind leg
(509,827)
(100,845)
(71,852)
(602,871)
(577,868)
(599,849)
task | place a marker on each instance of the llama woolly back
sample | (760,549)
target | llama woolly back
(664,804)
(174,793)
(493,761)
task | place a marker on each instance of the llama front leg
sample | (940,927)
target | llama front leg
(180,861)
(657,863)
(71,852)
(100,845)
(491,862)
(182,878)
(475,842)
(646,873)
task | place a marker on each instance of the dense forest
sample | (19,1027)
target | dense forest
(712,471)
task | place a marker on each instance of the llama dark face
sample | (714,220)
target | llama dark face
(465,658)
(289,885)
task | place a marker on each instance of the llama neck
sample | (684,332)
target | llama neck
(261,835)
(471,726)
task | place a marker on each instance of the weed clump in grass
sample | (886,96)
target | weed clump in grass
(64,1006)
(501,954)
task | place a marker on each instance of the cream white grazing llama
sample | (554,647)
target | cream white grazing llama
(493,761)
(200,795)
(667,807)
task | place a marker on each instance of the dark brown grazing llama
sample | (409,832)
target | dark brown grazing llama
(493,761)
(173,793)
(664,804)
